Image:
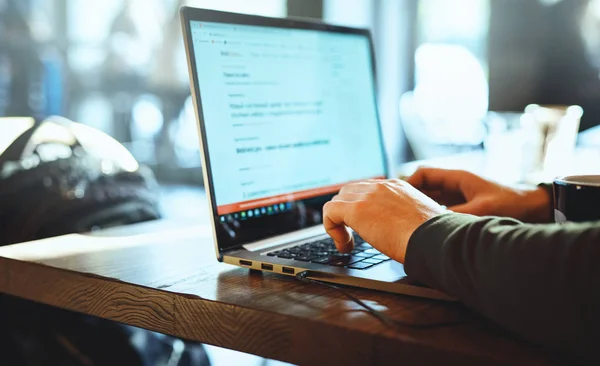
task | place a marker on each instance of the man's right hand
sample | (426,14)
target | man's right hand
(468,193)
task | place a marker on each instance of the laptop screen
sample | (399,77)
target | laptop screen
(289,117)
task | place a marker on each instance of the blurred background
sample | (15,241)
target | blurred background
(451,66)
(454,78)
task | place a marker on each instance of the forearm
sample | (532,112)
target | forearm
(539,281)
(533,205)
(544,212)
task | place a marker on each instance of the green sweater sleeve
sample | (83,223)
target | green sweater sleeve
(541,282)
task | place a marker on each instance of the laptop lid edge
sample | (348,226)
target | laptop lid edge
(190,57)
(186,17)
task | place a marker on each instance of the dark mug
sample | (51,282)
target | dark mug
(577,198)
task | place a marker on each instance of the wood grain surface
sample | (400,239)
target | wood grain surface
(164,277)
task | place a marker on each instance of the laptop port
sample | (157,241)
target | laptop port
(287,270)
(268,267)
(245,263)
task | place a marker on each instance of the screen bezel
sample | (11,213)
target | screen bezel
(189,14)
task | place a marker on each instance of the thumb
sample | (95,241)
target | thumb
(333,221)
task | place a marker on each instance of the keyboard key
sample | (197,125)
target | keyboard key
(306,258)
(326,242)
(381,257)
(343,260)
(339,263)
(338,254)
(325,252)
(354,259)
(372,261)
(360,265)
(364,255)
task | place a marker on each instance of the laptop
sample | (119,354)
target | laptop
(287,115)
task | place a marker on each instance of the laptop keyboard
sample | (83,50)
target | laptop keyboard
(363,256)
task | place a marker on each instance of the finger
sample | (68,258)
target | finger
(435,195)
(440,179)
(471,208)
(417,178)
(334,213)
(445,198)
(429,178)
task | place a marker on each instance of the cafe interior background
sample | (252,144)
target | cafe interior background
(454,76)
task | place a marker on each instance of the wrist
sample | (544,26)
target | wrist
(539,205)
(402,248)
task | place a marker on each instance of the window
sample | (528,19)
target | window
(390,22)
(450,96)
(128,75)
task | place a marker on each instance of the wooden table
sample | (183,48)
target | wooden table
(164,277)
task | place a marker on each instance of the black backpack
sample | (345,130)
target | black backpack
(59,177)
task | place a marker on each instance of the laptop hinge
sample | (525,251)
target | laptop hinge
(288,238)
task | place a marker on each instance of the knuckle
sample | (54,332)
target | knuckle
(423,170)
(486,205)
(360,206)
(464,174)
(398,182)
(380,187)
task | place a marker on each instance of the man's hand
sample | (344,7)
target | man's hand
(383,212)
(465,192)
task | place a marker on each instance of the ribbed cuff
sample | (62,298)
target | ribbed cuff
(424,253)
